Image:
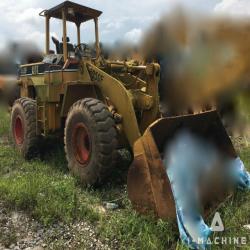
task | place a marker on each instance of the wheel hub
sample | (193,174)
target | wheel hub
(18,131)
(81,144)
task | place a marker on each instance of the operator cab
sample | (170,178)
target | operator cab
(66,53)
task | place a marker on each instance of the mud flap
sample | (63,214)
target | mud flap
(149,188)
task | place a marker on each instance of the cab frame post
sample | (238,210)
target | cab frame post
(78,25)
(97,38)
(65,48)
(47,31)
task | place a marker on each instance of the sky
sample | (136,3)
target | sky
(121,19)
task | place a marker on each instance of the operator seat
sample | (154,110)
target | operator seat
(70,46)
(59,46)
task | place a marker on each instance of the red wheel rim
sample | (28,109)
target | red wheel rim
(81,144)
(18,130)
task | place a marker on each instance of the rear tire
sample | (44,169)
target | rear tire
(23,127)
(90,141)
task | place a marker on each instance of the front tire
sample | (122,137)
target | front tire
(23,126)
(90,141)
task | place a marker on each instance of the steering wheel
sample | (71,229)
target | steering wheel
(83,50)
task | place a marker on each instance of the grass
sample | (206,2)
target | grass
(4,121)
(235,212)
(46,191)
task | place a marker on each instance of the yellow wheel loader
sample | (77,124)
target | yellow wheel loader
(102,105)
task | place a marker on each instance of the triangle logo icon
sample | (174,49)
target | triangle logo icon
(217,224)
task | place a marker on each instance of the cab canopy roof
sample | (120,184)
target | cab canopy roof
(75,13)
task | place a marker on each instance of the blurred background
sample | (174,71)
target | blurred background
(202,46)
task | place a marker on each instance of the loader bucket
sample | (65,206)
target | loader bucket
(149,188)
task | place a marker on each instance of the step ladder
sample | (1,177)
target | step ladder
(41,118)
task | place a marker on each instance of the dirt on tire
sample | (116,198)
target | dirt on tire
(23,127)
(90,141)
